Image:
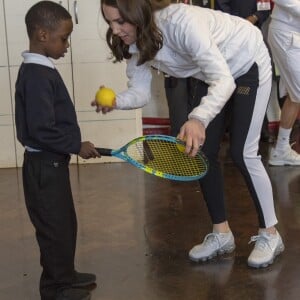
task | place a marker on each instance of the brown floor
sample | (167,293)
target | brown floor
(135,231)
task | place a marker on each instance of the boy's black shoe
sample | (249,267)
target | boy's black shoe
(83,279)
(73,294)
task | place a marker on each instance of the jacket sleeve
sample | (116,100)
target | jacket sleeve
(204,53)
(138,93)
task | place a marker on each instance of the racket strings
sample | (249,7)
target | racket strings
(166,157)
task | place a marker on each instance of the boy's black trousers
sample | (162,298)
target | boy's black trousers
(50,206)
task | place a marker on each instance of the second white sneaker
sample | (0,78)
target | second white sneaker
(267,247)
(290,158)
(214,244)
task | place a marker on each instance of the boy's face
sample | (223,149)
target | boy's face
(56,42)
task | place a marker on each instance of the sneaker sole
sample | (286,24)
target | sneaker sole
(217,253)
(87,297)
(85,284)
(282,163)
(265,264)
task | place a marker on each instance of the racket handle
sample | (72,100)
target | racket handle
(104,151)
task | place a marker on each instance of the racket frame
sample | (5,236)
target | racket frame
(122,154)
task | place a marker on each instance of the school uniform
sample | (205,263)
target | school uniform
(47,127)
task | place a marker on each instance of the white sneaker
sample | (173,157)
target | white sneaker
(290,158)
(267,247)
(213,244)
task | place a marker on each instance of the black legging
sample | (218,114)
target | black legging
(238,116)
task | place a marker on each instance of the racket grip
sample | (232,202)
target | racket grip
(104,151)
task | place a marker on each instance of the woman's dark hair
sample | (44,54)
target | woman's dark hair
(140,14)
(159,4)
(45,14)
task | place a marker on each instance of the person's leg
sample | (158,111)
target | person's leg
(289,114)
(214,197)
(50,206)
(184,94)
(281,93)
(264,135)
(247,118)
(212,184)
(221,239)
(286,52)
(177,94)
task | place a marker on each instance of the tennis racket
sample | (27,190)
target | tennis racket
(162,156)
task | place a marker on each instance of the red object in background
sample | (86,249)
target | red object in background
(156,125)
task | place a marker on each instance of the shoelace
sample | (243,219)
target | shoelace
(262,241)
(211,238)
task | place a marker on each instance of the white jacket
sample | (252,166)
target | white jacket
(286,15)
(206,44)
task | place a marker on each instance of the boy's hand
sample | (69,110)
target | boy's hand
(88,150)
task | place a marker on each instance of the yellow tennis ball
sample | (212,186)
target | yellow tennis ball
(180,147)
(105,97)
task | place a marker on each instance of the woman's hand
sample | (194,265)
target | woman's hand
(104,102)
(103,109)
(193,134)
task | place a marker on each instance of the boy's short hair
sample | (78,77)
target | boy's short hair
(45,14)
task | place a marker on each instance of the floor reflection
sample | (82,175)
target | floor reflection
(135,231)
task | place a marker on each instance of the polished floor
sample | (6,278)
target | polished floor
(135,231)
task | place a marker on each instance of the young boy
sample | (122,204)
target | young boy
(47,127)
